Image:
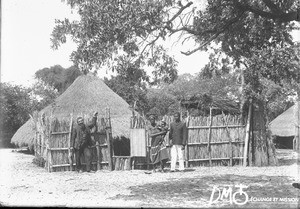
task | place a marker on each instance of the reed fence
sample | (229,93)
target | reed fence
(215,141)
(212,140)
(53,143)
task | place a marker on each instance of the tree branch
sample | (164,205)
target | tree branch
(150,43)
(273,7)
(179,12)
(283,17)
(216,34)
(186,29)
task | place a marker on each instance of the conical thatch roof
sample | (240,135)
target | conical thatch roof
(87,94)
(285,123)
(25,135)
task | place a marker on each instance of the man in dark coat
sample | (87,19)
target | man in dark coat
(81,141)
(177,137)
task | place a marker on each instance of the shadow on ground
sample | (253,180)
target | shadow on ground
(25,150)
(200,188)
(287,157)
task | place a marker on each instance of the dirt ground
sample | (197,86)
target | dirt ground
(22,183)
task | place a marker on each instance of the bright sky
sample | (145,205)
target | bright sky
(26,29)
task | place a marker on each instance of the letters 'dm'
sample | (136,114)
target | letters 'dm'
(227,194)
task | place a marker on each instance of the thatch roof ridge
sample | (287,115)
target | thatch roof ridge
(284,124)
(205,101)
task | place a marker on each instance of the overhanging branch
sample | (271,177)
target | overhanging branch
(216,34)
(281,16)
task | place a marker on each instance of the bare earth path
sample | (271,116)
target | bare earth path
(24,184)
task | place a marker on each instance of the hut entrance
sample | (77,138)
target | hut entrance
(284,142)
(53,142)
(121,146)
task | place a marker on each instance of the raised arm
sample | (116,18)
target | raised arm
(94,121)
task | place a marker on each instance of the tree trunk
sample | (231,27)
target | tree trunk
(296,144)
(261,148)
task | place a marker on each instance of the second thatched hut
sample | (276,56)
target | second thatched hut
(285,128)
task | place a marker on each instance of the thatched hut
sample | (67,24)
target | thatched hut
(285,128)
(87,94)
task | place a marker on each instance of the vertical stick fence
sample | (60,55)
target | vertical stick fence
(55,142)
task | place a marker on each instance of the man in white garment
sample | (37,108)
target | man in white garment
(178,137)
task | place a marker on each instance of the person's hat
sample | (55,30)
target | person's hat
(177,113)
(79,120)
(152,116)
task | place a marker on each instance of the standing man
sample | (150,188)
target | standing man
(178,137)
(81,141)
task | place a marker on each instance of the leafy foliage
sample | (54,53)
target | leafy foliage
(58,77)
(130,83)
(161,102)
(252,36)
(187,86)
(278,97)
(42,95)
(132,93)
(132,80)
(279,65)
(108,27)
(18,102)
(16,105)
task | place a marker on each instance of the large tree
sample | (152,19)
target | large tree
(107,25)
(239,28)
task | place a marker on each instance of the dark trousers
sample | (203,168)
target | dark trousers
(87,156)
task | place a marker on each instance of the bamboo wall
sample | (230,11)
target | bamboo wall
(212,141)
(215,141)
(53,143)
